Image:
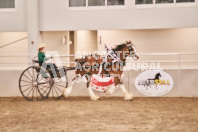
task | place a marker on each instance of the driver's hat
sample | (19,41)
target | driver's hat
(42,45)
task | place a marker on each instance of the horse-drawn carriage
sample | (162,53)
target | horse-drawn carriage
(38,83)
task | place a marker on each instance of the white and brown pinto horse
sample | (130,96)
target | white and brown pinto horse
(112,66)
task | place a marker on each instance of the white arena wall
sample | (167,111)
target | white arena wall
(185,85)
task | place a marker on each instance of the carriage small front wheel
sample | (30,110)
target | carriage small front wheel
(58,85)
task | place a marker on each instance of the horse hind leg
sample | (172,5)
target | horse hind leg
(127,96)
(110,90)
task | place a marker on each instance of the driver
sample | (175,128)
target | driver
(42,60)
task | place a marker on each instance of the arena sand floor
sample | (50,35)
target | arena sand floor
(80,114)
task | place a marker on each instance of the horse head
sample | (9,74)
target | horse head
(132,50)
(126,49)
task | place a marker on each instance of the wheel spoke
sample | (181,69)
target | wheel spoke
(25,81)
(52,92)
(43,90)
(59,89)
(36,94)
(60,85)
(25,85)
(33,93)
(56,91)
(46,87)
(29,93)
(42,83)
(33,73)
(42,87)
(27,77)
(30,74)
(27,89)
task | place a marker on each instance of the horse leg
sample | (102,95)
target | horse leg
(67,91)
(91,93)
(110,90)
(127,95)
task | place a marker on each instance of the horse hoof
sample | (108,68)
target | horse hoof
(129,97)
(65,93)
(95,98)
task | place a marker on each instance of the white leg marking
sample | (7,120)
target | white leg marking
(67,91)
(111,90)
(92,94)
(127,96)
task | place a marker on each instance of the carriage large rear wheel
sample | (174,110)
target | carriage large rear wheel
(33,86)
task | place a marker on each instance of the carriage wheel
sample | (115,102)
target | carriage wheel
(28,84)
(59,84)
(44,82)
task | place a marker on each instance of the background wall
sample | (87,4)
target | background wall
(156,40)
(14,21)
(54,42)
(56,16)
(86,40)
(18,48)
(183,40)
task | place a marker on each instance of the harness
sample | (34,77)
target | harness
(112,55)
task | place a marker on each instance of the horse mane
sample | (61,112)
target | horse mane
(119,47)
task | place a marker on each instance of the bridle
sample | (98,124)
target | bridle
(130,47)
(132,50)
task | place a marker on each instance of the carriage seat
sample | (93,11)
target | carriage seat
(36,61)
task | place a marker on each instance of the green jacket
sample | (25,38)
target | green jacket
(41,57)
